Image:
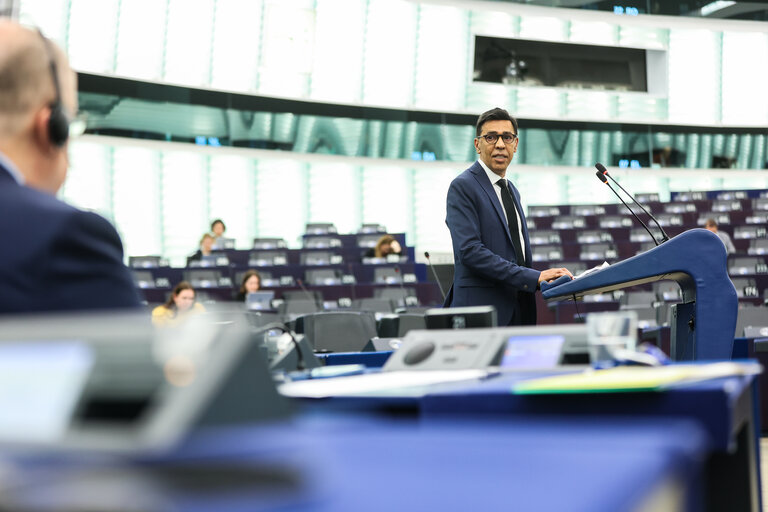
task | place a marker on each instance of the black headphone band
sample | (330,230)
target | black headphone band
(58,124)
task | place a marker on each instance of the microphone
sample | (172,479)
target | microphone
(285,330)
(434,273)
(352,285)
(605,180)
(601,173)
(304,289)
(400,282)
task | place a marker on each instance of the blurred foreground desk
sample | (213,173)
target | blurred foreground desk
(725,409)
(380,465)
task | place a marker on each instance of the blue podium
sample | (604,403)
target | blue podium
(704,323)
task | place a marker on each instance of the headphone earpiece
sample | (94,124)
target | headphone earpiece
(58,125)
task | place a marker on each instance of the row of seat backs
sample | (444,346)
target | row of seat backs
(351,331)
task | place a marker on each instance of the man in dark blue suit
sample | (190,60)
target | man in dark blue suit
(491,250)
(53,256)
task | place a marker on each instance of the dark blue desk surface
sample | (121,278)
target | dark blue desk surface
(377,465)
(724,408)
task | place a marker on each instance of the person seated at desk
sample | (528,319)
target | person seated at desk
(217,231)
(387,245)
(251,283)
(206,248)
(180,305)
(711,225)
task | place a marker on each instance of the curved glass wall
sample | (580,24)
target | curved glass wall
(544,143)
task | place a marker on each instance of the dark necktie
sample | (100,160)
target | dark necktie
(514,229)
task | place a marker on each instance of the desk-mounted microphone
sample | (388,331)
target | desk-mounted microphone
(434,273)
(605,180)
(309,295)
(400,281)
(602,174)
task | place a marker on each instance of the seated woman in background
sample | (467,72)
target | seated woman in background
(384,247)
(251,283)
(179,306)
(206,247)
(217,230)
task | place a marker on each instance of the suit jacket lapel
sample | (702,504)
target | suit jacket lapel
(487,186)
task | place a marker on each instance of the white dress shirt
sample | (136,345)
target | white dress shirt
(12,169)
(493,177)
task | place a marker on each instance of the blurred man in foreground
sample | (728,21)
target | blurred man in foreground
(54,256)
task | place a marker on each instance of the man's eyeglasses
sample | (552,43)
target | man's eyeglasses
(492,137)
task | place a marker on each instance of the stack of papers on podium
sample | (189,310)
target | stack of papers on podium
(634,378)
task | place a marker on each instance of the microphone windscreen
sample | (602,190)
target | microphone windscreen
(426,254)
(601,176)
(600,167)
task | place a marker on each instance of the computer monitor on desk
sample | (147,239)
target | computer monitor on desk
(461,318)
(112,383)
(259,300)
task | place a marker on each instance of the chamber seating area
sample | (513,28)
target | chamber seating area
(330,272)
(580,237)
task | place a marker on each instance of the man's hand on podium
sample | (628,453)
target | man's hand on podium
(553,273)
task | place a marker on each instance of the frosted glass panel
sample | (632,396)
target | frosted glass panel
(338,54)
(539,102)
(89,179)
(185,203)
(334,195)
(493,23)
(643,36)
(593,32)
(694,81)
(389,85)
(49,16)
(138,215)
(690,181)
(232,184)
(589,105)
(92,33)
(430,188)
(386,198)
(548,28)
(188,42)
(141,39)
(745,78)
(442,63)
(286,59)
(530,185)
(281,199)
(236,44)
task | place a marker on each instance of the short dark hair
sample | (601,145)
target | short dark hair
(218,221)
(710,223)
(495,114)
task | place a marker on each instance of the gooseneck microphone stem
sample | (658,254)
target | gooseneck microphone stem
(400,281)
(434,273)
(309,295)
(281,327)
(605,180)
(664,237)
